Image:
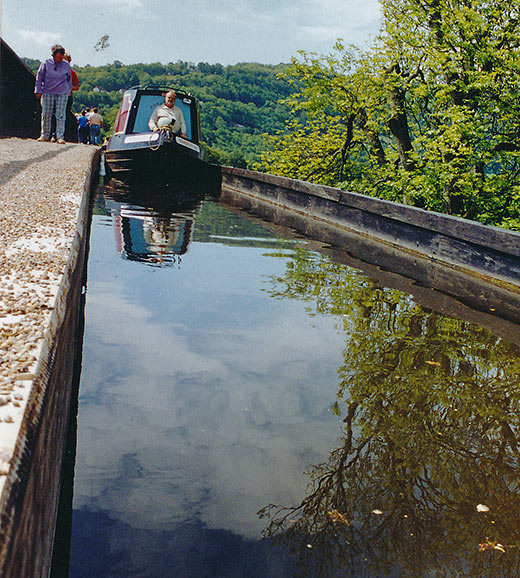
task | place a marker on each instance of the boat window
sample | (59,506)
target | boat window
(148,103)
(123,114)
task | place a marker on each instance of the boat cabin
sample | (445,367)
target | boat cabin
(139,103)
(132,141)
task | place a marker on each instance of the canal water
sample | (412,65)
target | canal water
(249,407)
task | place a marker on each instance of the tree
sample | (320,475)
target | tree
(430,111)
(32,64)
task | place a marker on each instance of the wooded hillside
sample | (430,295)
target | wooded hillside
(239,103)
(428,115)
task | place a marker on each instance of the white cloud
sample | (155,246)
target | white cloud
(222,422)
(40,37)
(327,20)
(225,31)
(125,6)
(111,8)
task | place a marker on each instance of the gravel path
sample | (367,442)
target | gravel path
(41,187)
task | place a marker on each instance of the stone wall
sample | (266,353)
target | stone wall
(19,107)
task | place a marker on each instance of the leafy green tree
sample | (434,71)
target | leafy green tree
(430,113)
(32,64)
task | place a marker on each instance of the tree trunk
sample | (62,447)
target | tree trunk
(374,144)
(398,123)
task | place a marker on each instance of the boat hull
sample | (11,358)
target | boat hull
(150,153)
(149,168)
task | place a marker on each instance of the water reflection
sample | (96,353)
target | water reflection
(157,233)
(426,480)
(207,394)
(154,239)
(201,397)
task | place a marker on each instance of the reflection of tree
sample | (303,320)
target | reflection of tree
(432,426)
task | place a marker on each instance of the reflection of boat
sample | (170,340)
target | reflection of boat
(155,240)
(159,196)
(133,148)
(157,232)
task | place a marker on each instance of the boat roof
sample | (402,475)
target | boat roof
(157,88)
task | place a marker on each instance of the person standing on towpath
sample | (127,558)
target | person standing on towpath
(96,124)
(53,88)
(75,83)
(68,110)
(83,129)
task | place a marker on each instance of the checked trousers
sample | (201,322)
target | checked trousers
(53,104)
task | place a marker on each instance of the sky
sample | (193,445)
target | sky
(213,31)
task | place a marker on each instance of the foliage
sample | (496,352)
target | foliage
(429,115)
(240,103)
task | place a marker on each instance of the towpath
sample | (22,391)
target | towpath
(42,186)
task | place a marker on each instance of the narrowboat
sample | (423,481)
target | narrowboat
(133,149)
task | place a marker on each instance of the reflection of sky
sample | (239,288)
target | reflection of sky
(202,399)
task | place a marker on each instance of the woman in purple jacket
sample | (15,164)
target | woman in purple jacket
(53,87)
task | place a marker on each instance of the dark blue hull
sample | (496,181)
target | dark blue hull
(150,152)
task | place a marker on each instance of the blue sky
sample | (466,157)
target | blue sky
(213,31)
